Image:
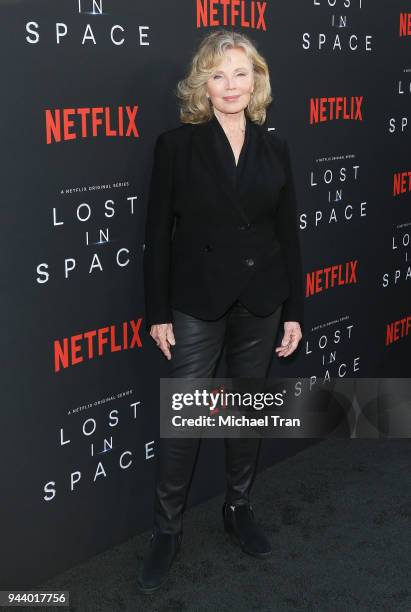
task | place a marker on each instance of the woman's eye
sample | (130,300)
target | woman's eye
(217,76)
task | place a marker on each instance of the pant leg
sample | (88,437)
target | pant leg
(195,355)
(250,344)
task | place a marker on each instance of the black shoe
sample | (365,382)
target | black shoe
(162,552)
(240,524)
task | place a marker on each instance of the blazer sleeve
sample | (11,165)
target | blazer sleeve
(288,235)
(158,232)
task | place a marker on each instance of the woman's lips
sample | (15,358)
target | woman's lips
(230,98)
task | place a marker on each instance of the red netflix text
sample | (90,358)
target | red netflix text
(332,276)
(95,343)
(397,330)
(405,24)
(336,108)
(72,123)
(239,13)
(402,182)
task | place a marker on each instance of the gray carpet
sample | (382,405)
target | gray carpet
(338,514)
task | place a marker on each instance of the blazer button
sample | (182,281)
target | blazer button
(208,248)
(249,261)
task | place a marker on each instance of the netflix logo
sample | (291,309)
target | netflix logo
(95,343)
(405,24)
(239,13)
(401,183)
(72,123)
(397,330)
(340,108)
(330,277)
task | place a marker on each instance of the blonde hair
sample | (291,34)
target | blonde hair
(195,107)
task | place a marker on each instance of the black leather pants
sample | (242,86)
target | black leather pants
(249,341)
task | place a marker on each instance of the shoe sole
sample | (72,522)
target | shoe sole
(150,590)
(234,540)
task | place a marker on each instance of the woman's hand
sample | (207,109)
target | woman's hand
(291,338)
(163,336)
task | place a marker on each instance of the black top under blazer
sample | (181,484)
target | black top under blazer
(217,232)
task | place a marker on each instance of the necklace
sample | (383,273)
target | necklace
(242,129)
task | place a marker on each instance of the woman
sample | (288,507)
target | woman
(222,268)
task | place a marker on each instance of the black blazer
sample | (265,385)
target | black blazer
(215,232)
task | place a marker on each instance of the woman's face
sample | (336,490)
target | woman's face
(229,87)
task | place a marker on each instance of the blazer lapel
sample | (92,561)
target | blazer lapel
(205,145)
(251,165)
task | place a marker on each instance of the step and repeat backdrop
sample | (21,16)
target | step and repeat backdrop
(87,86)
